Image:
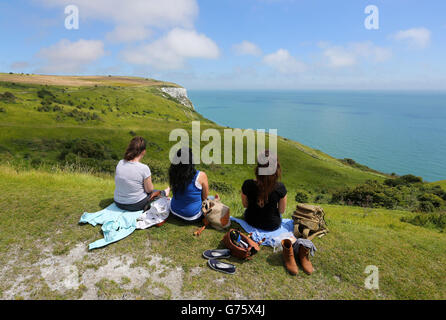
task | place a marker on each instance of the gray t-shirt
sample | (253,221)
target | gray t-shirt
(129,182)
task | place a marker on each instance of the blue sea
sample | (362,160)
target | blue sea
(400,132)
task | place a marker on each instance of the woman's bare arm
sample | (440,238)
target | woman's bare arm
(148,185)
(282,205)
(203,180)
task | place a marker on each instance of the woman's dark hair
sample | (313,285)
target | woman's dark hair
(266,183)
(181,174)
(135,148)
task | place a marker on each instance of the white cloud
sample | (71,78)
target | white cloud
(247,48)
(340,56)
(134,19)
(171,51)
(137,20)
(124,33)
(163,14)
(415,37)
(66,56)
(284,62)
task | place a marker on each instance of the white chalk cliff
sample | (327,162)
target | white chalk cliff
(180,94)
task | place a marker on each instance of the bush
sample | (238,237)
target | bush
(436,201)
(407,192)
(45,94)
(221,187)
(107,166)
(302,196)
(322,198)
(371,194)
(7,97)
(49,108)
(159,170)
(85,149)
(426,206)
(438,191)
(36,162)
(81,116)
(430,220)
(403,180)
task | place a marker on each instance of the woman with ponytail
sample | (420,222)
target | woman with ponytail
(133,180)
(265,197)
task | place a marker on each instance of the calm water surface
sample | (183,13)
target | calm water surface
(401,132)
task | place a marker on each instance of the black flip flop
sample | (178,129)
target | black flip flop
(217,254)
(221,266)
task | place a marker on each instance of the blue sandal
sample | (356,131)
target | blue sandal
(221,266)
(217,254)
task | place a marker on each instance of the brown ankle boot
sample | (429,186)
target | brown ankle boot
(304,258)
(288,257)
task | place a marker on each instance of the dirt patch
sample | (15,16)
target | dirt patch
(62,274)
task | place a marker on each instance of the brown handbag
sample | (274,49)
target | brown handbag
(238,251)
(216,214)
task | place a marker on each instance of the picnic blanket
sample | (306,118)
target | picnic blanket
(118,224)
(272,238)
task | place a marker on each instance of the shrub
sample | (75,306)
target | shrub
(48,108)
(159,170)
(438,191)
(84,148)
(370,194)
(81,116)
(45,94)
(36,162)
(430,220)
(322,198)
(403,180)
(407,192)
(221,187)
(7,97)
(436,201)
(426,206)
(302,196)
(107,166)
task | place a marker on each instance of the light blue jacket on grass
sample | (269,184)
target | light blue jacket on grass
(116,224)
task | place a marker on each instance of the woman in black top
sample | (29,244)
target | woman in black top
(265,197)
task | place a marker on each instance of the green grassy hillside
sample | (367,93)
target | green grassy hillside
(39,230)
(60,139)
(35,130)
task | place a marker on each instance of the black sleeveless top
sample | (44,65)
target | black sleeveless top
(266,218)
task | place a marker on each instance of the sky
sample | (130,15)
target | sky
(232,44)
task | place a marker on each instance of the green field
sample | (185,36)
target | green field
(43,250)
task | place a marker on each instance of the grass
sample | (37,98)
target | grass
(43,249)
(41,210)
(26,133)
